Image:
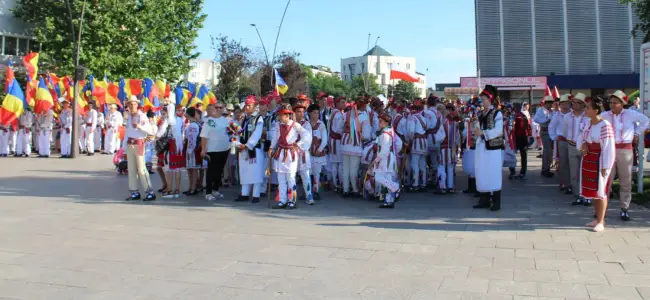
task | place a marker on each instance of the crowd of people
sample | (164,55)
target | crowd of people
(361,147)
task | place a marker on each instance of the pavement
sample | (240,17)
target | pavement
(66,233)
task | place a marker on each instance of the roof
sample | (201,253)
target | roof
(377,51)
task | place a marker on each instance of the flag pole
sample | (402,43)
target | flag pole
(276,44)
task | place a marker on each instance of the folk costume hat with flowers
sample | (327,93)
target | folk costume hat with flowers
(620,96)
(251,100)
(490,92)
(566,98)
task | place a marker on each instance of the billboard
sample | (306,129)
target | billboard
(506,83)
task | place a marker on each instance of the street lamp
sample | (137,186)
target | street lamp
(77,72)
(276,40)
(262,42)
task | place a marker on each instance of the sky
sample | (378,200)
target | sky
(440,34)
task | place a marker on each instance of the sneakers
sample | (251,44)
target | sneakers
(151,196)
(587,202)
(210,197)
(577,201)
(599,227)
(310,202)
(625,216)
(217,195)
(387,205)
(134,196)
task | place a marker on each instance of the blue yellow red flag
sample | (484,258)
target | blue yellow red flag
(280,85)
(31,64)
(43,98)
(13,105)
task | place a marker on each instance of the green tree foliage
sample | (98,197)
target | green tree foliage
(136,39)
(403,90)
(333,85)
(235,67)
(290,69)
(358,86)
(642,9)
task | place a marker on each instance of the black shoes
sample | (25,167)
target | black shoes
(255,200)
(241,198)
(625,215)
(483,201)
(387,205)
(471,186)
(134,196)
(577,201)
(280,205)
(496,201)
(151,196)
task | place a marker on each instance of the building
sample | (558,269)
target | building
(15,35)
(380,62)
(204,71)
(324,70)
(579,46)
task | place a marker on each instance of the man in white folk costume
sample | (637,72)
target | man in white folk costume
(400,128)
(449,138)
(99,130)
(356,133)
(543,117)
(318,149)
(384,166)
(66,129)
(113,122)
(90,120)
(288,140)
(12,139)
(138,128)
(434,121)
(573,125)
(304,155)
(45,121)
(4,140)
(250,152)
(335,133)
(417,137)
(556,132)
(627,125)
(488,158)
(24,140)
(267,118)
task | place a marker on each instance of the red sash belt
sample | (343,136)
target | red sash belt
(625,146)
(89,124)
(137,142)
(287,150)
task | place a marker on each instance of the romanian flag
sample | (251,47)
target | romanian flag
(31,64)
(134,87)
(163,88)
(43,98)
(199,95)
(98,90)
(82,104)
(13,105)
(280,85)
(212,99)
(30,93)
(122,94)
(150,95)
(182,96)
(9,78)
(112,95)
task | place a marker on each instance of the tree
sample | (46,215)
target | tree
(403,90)
(147,38)
(358,86)
(235,65)
(333,85)
(642,8)
(290,70)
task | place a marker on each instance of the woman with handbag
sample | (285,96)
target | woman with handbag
(162,146)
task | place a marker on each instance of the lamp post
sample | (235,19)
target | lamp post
(276,41)
(264,48)
(75,36)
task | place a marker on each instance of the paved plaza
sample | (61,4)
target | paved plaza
(65,233)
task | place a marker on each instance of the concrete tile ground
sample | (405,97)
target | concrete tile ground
(66,234)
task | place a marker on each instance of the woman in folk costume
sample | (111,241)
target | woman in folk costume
(289,138)
(417,135)
(251,169)
(384,166)
(472,122)
(356,133)
(434,121)
(318,149)
(627,125)
(192,149)
(489,144)
(449,139)
(335,133)
(598,146)
(304,155)
(175,155)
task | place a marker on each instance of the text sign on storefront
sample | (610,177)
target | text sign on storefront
(505,83)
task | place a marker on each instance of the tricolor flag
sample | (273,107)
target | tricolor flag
(9,78)
(280,85)
(182,96)
(43,98)
(31,64)
(13,105)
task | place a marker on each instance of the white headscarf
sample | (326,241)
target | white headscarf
(176,125)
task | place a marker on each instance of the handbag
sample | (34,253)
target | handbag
(162,143)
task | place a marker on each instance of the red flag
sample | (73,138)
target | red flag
(9,78)
(402,76)
(135,86)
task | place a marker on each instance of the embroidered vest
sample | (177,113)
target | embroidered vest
(487,121)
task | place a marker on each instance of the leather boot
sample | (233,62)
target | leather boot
(496,201)
(483,201)
(471,186)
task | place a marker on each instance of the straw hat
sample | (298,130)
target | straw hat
(580,97)
(620,96)
(133,98)
(566,98)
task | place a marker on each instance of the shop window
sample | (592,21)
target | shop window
(10,45)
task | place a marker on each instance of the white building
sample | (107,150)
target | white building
(15,35)
(204,71)
(323,70)
(379,62)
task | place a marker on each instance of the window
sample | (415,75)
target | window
(363,67)
(352,68)
(23,46)
(34,46)
(10,45)
(390,66)
(346,77)
(408,66)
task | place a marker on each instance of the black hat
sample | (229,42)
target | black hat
(490,91)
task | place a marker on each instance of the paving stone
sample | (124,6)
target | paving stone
(617,258)
(576,255)
(601,267)
(563,265)
(514,244)
(583,277)
(464,285)
(608,292)
(536,298)
(537,275)
(529,253)
(629,280)
(495,252)
(249,282)
(272,270)
(566,290)
(509,287)
(491,273)
(514,263)
(353,254)
(552,246)
(418,249)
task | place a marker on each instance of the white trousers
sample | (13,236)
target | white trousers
(336,176)
(306,183)
(89,140)
(44,136)
(315,170)
(246,190)
(111,143)
(24,142)
(350,172)
(287,187)
(446,176)
(35,139)
(66,139)
(98,139)
(12,141)
(4,142)
(419,167)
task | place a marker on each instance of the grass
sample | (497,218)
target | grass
(640,199)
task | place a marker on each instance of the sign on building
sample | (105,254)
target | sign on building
(505,83)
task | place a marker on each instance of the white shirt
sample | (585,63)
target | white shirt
(543,116)
(572,126)
(91,118)
(66,118)
(45,120)
(555,127)
(144,129)
(625,125)
(26,119)
(215,130)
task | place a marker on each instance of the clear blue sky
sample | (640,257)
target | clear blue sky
(438,33)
